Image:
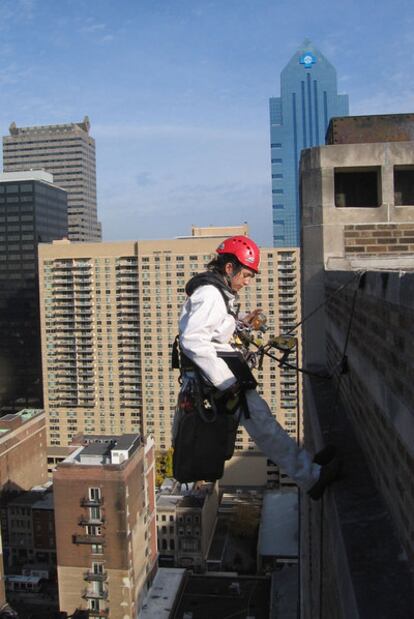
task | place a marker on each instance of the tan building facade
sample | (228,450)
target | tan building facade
(110,313)
(185,524)
(68,151)
(106,535)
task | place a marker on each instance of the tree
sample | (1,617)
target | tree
(163,466)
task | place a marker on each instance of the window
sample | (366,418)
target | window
(95,513)
(94,494)
(97,568)
(93,604)
(357,187)
(404,185)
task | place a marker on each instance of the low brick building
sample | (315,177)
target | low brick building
(186,520)
(31,529)
(22,450)
(105,526)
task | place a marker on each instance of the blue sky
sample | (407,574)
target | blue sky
(177,93)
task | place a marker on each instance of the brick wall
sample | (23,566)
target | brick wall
(379,239)
(379,387)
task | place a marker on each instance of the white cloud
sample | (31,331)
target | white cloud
(93,27)
(97,30)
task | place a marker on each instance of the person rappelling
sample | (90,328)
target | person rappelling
(218,389)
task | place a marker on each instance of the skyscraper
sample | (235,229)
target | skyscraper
(299,119)
(32,209)
(68,151)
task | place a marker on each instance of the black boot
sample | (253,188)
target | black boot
(325,455)
(329,472)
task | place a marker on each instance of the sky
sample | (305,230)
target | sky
(177,93)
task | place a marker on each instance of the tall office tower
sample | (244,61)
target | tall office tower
(299,119)
(109,316)
(68,151)
(32,209)
(106,535)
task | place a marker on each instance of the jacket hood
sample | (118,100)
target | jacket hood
(209,278)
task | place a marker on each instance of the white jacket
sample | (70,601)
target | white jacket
(206,327)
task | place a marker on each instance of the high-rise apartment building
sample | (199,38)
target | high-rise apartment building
(32,209)
(106,535)
(110,314)
(68,151)
(299,119)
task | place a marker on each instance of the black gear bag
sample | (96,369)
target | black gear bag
(206,422)
(204,433)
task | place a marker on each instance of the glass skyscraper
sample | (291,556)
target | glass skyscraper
(299,119)
(32,210)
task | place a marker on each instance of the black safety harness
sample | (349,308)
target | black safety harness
(234,360)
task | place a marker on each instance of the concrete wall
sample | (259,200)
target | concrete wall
(358,544)
(379,389)
(329,232)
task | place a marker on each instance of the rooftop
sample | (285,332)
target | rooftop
(278,533)
(39,498)
(83,125)
(27,175)
(162,594)
(98,450)
(206,596)
(12,421)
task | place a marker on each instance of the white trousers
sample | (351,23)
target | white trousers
(276,443)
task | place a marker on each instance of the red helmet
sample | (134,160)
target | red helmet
(244,249)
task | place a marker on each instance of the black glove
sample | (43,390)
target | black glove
(229,399)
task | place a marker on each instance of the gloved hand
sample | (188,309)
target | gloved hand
(229,399)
